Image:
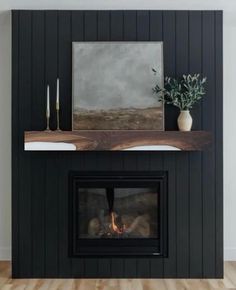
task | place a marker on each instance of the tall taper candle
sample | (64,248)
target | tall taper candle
(58,106)
(48,107)
(57,100)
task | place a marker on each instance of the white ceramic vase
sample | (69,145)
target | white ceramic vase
(185,121)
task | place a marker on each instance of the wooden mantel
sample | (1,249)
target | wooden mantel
(116,140)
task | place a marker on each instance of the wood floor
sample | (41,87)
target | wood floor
(6,283)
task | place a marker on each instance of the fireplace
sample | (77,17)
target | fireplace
(118,213)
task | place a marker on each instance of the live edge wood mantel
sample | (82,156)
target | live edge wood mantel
(116,140)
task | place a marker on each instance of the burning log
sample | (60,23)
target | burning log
(114,226)
(128,226)
(132,216)
(140,226)
(94,227)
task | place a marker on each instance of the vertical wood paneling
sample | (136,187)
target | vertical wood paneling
(104,267)
(65,264)
(77,25)
(170,269)
(25,245)
(90,26)
(103,25)
(42,51)
(156,26)
(156,159)
(219,141)
(182,215)
(143,267)
(64,73)
(208,165)
(143,161)
(91,268)
(38,103)
(130,25)
(89,160)
(117,28)
(38,190)
(117,267)
(51,216)
(15,144)
(130,161)
(169,40)
(195,217)
(195,170)
(117,161)
(182,165)
(195,59)
(143,27)
(130,268)
(103,160)
(37,161)
(182,43)
(52,165)
(64,67)
(169,37)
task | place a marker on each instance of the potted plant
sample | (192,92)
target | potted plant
(182,93)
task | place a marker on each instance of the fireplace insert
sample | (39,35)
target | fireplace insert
(117,213)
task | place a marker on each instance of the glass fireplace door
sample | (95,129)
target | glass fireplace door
(114,214)
(117,213)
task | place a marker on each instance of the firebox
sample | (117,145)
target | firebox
(117,213)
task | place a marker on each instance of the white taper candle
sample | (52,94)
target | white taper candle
(48,102)
(57,99)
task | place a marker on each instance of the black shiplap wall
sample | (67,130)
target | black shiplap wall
(41,43)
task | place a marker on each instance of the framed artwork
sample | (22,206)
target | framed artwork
(112,85)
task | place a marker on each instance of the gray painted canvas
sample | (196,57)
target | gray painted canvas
(112,85)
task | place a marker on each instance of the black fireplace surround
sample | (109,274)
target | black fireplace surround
(135,201)
(46,241)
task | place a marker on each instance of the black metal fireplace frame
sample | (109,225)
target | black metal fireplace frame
(118,247)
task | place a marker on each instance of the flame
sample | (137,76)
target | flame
(115,228)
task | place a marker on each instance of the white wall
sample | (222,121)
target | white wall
(229,7)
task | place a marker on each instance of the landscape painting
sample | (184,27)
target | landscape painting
(112,86)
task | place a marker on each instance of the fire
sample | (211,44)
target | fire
(115,228)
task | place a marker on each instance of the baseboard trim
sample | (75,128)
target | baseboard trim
(5,254)
(230,254)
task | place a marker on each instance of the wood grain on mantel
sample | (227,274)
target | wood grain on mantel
(124,139)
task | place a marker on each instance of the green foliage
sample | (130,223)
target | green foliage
(182,93)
